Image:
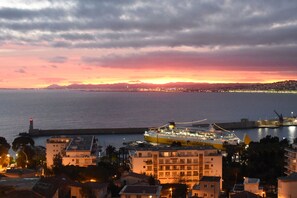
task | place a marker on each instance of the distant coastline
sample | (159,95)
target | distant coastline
(289,86)
(282,87)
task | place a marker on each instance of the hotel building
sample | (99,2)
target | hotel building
(78,151)
(177,164)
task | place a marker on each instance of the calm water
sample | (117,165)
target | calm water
(78,109)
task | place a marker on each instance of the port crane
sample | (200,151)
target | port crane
(280,117)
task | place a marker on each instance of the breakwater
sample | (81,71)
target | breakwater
(98,131)
(243,124)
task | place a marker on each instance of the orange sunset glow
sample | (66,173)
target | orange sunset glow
(55,43)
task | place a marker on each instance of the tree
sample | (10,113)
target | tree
(22,141)
(4,148)
(111,153)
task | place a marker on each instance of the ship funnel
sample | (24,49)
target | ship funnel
(171,125)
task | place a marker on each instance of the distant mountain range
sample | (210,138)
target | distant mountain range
(290,85)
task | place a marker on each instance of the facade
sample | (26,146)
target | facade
(209,187)
(82,151)
(139,191)
(291,159)
(185,165)
(77,151)
(54,146)
(287,186)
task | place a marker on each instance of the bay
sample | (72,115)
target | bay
(60,109)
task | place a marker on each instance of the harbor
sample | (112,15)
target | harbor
(242,124)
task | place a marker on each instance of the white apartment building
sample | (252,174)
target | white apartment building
(82,151)
(54,146)
(177,164)
(77,151)
(291,159)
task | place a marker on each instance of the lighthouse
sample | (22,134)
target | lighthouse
(31,126)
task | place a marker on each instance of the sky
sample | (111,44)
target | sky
(44,42)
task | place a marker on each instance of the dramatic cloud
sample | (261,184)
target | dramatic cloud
(193,35)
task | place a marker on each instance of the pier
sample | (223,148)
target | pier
(242,124)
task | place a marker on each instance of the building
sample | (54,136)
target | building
(177,164)
(139,191)
(78,151)
(55,146)
(208,186)
(131,178)
(82,151)
(250,185)
(287,186)
(291,159)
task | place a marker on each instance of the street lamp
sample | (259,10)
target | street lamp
(170,189)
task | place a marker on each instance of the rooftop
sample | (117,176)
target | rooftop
(139,189)
(244,194)
(211,179)
(291,177)
(248,180)
(81,143)
(169,148)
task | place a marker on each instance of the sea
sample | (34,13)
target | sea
(70,109)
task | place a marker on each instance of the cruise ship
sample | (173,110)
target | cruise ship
(169,134)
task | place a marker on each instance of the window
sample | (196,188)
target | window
(161,167)
(195,160)
(166,154)
(182,167)
(149,168)
(161,174)
(161,161)
(189,161)
(189,173)
(195,173)
(167,167)
(138,196)
(189,168)
(205,185)
(139,154)
(167,174)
